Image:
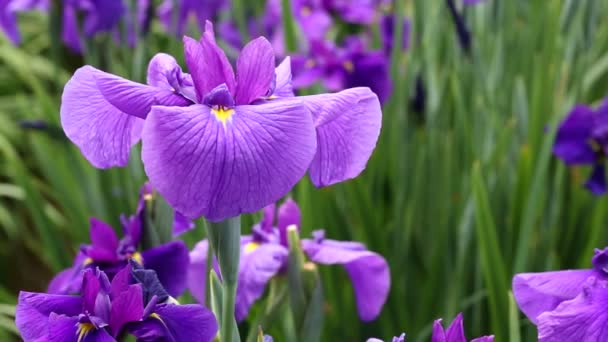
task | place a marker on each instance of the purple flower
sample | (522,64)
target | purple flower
(566,305)
(99,16)
(99,314)
(8,15)
(343,67)
(201,10)
(170,260)
(582,138)
(454,333)
(356,11)
(264,255)
(387,28)
(240,146)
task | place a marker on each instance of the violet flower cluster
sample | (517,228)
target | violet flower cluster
(264,255)
(567,305)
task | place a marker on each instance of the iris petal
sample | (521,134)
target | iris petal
(34,309)
(256,71)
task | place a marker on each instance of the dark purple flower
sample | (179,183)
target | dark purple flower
(582,138)
(387,28)
(356,11)
(541,296)
(99,314)
(8,15)
(201,10)
(107,252)
(227,143)
(99,16)
(454,333)
(343,67)
(264,255)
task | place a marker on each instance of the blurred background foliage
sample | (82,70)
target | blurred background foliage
(460,194)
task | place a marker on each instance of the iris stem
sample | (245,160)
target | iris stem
(225,239)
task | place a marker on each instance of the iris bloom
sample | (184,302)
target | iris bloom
(582,139)
(216,145)
(356,11)
(567,305)
(98,16)
(201,10)
(133,302)
(264,255)
(170,260)
(350,65)
(8,15)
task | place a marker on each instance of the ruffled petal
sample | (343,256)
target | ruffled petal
(368,271)
(255,71)
(190,322)
(170,261)
(583,318)
(536,293)
(256,269)
(33,311)
(103,132)
(208,66)
(104,242)
(571,141)
(162,71)
(348,125)
(283,87)
(232,167)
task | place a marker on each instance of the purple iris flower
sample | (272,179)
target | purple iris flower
(356,11)
(387,28)
(8,15)
(338,68)
(170,260)
(567,305)
(201,10)
(99,16)
(454,333)
(239,142)
(264,255)
(99,313)
(582,138)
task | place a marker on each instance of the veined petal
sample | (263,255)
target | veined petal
(536,293)
(368,271)
(190,322)
(127,307)
(208,66)
(33,311)
(255,71)
(348,125)
(256,269)
(283,87)
(61,328)
(170,261)
(583,318)
(104,242)
(105,128)
(232,167)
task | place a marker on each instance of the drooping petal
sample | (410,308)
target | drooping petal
(190,322)
(104,242)
(348,125)
(256,269)
(536,293)
(33,311)
(170,261)
(368,271)
(255,71)
(235,166)
(101,114)
(597,180)
(65,282)
(127,307)
(208,66)
(571,141)
(583,318)
(283,87)
(289,213)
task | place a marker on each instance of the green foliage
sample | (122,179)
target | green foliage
(457,198)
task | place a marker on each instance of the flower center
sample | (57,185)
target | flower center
(83,330)
(251,246)
(223,114)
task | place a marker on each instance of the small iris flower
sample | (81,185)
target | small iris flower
(98,16)
(351,65)
(201,10)
(216,144)
(567,305)
(356,11)
(8,15)
(264,255)
(107,252)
